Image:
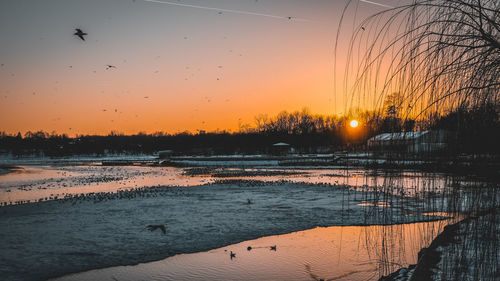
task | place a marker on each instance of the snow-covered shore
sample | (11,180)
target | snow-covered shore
(466,250)
(53,238)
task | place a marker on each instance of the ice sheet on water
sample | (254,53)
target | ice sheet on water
(57,237)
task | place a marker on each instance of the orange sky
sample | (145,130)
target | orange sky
(177,68)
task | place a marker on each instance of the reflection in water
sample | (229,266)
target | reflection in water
(374,204)
(331,253)
(46,182)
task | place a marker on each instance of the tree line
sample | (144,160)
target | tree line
(477,129)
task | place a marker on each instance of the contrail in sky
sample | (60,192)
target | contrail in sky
(227,10)
(375,3)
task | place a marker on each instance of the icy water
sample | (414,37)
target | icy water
(42,182)
(202,217)
(48,182)
(329,253)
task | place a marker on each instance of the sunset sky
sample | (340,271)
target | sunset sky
(178,67)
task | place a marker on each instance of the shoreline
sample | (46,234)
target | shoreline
(7,169)
(441,253)
(428,257)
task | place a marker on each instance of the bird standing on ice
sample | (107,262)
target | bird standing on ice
(155,227)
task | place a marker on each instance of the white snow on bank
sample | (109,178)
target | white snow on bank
(468,251)
(475,255)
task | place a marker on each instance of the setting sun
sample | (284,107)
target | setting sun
(354,123)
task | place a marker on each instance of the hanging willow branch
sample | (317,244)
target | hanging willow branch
(435,55)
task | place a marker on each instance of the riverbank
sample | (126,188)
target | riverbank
(466,250)
(6,169)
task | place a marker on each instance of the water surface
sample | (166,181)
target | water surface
(44,182)
(329,253)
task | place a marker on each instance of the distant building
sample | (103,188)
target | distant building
(281,148)
(410,142)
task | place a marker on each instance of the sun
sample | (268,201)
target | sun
(354,123)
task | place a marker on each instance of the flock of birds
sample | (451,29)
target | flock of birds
(97,197)
(130,188)
(81,34)
(232,254)
(146,192)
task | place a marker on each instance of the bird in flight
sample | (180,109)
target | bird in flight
(109,66)
(80,33)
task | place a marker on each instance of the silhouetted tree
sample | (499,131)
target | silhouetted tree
(437,55)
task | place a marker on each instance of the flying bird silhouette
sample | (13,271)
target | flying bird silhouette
(80,33)
(109,66)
